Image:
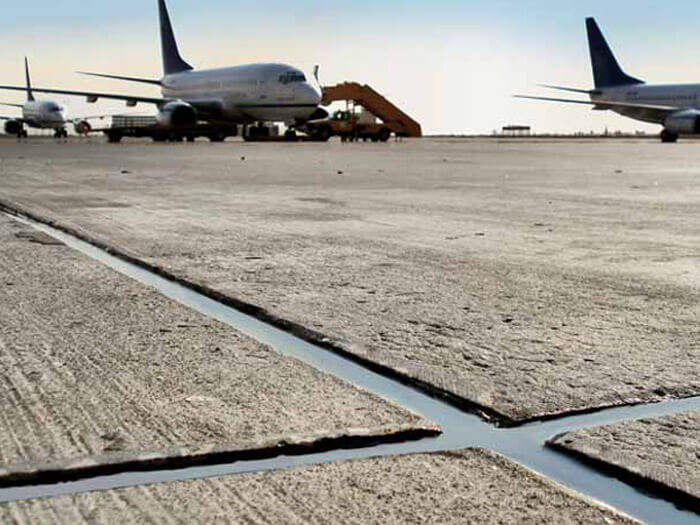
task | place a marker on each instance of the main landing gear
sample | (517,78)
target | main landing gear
(667,137)
(60,133)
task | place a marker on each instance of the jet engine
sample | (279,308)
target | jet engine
(686,122)
(82,127)
(13,127)
(177,114)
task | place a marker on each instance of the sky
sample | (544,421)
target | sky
(451,64)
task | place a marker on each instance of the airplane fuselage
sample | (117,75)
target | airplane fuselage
(255,92)
(681,96)
(44,114)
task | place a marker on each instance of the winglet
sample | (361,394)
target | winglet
(172,61)
(30,94)
(606,70)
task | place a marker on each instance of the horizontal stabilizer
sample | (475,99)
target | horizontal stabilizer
(11,105)
(570,89)
(119,77)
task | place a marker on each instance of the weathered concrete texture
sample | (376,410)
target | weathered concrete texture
(471,486)
(664,451)
(530,277)
(94,364)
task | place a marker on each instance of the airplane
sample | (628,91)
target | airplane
(44,114)
(40,114)
(246,94)
(676,107)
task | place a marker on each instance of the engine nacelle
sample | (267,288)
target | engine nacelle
(13,127)
(686,122)
(82,127)
(177,114)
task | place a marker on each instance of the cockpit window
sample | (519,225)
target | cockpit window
(292,76)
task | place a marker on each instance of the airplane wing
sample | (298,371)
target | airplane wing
(102,117)
(92,96)
(11,105)
(119,77)
(207,109)
(652,112)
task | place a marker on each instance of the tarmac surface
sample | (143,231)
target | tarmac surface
(530,277)
(97,370)
(664,451)
(471,486)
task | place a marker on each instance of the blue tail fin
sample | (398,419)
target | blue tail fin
(606,71)
(30,93)
(172,61)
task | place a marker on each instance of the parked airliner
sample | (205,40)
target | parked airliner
(676,107)
(40,114)
(233,95)
(44,114)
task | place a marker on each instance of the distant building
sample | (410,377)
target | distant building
(516,131)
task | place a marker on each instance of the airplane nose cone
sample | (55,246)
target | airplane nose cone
(311,95)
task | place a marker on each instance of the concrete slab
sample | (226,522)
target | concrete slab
(97,370)
(658,454)
(471,486)
(530,277)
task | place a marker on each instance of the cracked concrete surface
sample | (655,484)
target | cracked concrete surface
(533,278)
(471,486)
(94,366)
(664,450)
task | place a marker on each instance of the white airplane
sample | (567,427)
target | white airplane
(676,107)
(44,114)
(40,114)
(234,95)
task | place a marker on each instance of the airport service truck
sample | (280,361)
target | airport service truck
(369,116)
(144,126)
(351,126)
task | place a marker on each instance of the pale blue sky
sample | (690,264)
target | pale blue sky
(452,64)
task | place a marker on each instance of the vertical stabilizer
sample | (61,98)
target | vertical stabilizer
(606,70)
(30,93)
(172,61)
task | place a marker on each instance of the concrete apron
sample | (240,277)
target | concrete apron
(525,444)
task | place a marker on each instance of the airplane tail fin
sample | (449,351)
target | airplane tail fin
(606,70)
(30,93)
(172,61)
